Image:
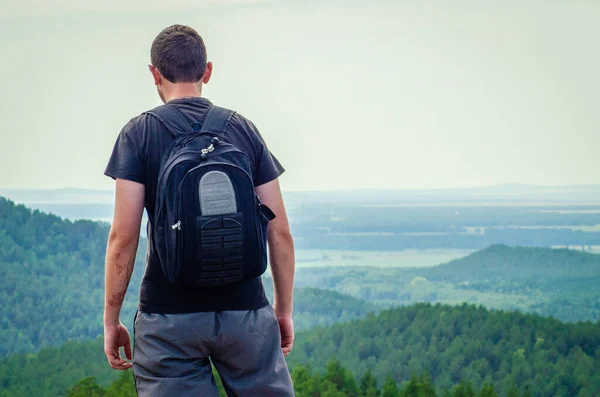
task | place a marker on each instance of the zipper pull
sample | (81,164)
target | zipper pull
(176,226)
(209,149)
(204,152)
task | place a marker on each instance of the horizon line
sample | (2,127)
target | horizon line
(342,189)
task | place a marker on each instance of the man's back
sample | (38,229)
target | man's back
(137,156)
(180,330)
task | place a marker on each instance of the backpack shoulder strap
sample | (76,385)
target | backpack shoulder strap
(217,119)
(172,119)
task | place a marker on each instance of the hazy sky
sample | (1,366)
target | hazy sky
(388,94)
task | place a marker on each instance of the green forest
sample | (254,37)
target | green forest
(553,282)
(53,283)
(362,331)
(514,353)
(470,343)
(52,273)
(335,381)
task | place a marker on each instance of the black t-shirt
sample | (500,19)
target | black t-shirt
(136,157)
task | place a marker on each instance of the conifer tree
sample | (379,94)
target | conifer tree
(464,389)
(86,388)
(368,385)
(122,387)
(390,389)
(488,391)
(412,387)
(426,387)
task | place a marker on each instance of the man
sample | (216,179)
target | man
(178,332)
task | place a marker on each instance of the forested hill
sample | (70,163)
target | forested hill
(454,343)
(539,356)
(552,282)
(557,282)
(52,273)
(501,262)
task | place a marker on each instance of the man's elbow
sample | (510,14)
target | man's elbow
(281,237)
(121,238)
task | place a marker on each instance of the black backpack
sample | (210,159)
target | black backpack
(209,227)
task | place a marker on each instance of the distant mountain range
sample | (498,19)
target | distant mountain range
(515,192)
(59,196)
(98,204)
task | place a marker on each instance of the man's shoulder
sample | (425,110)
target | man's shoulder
(138,125)
(243,124)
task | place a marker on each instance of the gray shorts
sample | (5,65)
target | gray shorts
(173,352)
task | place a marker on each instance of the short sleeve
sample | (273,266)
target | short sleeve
(267,167)
(126,159)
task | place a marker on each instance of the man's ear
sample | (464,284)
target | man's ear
(155,74)
(207,73)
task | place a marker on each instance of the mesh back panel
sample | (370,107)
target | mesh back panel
(217,196)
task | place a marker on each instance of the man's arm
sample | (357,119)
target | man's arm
(281,255)
(120,258)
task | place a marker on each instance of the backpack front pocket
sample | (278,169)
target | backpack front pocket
(219,250)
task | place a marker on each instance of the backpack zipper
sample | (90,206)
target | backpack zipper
(189,156)
(203,162)
(257,203)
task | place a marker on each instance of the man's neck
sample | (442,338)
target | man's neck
(183,91)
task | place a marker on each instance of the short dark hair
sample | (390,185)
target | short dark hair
(179,54)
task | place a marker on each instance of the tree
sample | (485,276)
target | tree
(368,385)
(512,392)
(340,377)
(412,387)
(464,389)
(488,391)
(123,387)
(86,388)
(390,389)
(306,383)
(426,387)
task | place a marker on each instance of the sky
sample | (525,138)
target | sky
(348,94)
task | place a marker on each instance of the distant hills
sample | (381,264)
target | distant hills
(392,220)
(59,196)
(53,270)
(502,263)
(52,295)
(504,192)
(538,356)
(89,203)
(553,282)
(515,193)
(52,289)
